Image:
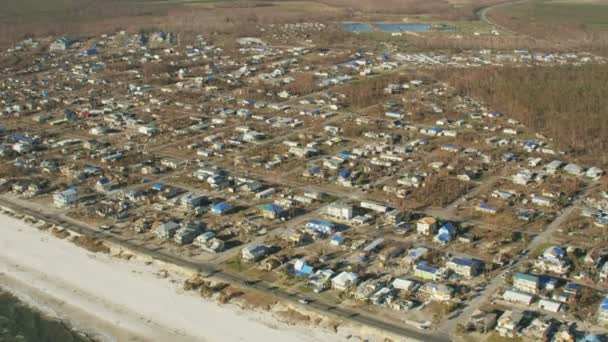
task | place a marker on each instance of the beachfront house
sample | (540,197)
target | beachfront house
(344,281)
(166,230)
(65,198)
(254,253)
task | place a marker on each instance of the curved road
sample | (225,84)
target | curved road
(482,14)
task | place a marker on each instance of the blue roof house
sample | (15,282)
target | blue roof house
(337,240)
(221,208)
(446,233)
(603,309)
(302,269)
(158,187)
(323,227)
(345,173)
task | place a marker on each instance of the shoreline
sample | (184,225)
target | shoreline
(54,309)
(111,299)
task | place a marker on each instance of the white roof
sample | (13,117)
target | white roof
(549,305)
(403,284)
(516,296)
(345,277)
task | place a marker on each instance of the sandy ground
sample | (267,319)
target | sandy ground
(124,300)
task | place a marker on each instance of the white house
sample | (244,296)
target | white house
(340,211)
(344,281)
(65,198)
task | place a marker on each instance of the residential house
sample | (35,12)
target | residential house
(61,44)
(518,297)
(221,208)
(254,253)
(553,166)
(65,198)
(573,169)
(273,211)
(603,309)
(323,227)
(465,267)
(553,260)
(594,172)
(302,269)
(344,281)
(423,271)
(538,330)
(320,280)
(414,254)
(167,230)
(340,211)
(486,208)
(446,234)
(509,323)
(187,233)
(549,305)
(526,283)
(190,201)
(438,292)
(426,226)
(481,321)
(407,285)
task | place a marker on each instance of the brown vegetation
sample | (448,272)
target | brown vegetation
(91,244)
(566,103)
(440,190)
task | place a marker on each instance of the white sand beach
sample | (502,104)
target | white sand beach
(124,300)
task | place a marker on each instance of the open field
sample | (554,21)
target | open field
(564,22)
(223,17)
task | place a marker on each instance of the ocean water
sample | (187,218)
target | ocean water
(21,323)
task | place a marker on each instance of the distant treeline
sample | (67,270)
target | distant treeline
(568,104)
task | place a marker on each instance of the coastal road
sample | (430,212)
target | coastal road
(337,311)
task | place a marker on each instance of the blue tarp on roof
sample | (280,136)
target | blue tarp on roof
(338,239)
(89,52)
(24,139)
(158,186)
(486,207)
(221,207)
(465,261)
(425,268)
(323,227)
(604,304)
(448,228)
(302,269)
(271,207)
(443,237)
(345,173)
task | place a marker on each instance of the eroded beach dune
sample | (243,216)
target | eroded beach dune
(123,300)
